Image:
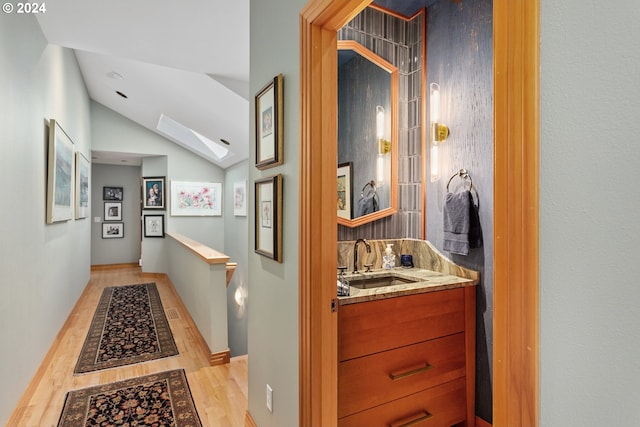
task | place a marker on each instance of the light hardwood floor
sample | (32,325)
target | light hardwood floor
(219,392)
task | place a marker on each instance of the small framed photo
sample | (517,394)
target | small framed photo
(240,198)
(269,124)
(268,218)
(153,192)
(154,226)
(345,191)
(112,193)
(83,188)
(112,230)
(113,211)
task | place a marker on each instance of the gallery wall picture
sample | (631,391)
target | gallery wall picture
(196,198)
(83,187)
(113,211)
(153,192)
(268,217)
(269,124)
(112,193)
(154,226)
(112,230)
(60,174)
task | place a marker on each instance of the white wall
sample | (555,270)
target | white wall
(236,246)
(589,204)
(43,268)
(113,132)
(154,251)
(127,249)
(273,315)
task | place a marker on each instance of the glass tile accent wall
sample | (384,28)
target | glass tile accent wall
(399,41)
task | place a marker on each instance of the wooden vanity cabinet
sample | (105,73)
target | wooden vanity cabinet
(408,360)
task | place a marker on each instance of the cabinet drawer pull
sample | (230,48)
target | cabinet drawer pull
(418,418)
(403,374)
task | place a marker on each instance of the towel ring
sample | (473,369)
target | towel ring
(462,174)
(371,184)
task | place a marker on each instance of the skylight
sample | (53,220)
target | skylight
(217,149)
(191,139)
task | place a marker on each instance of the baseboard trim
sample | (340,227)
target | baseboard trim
(154,276)
(220,358)
(114,266)
(248,420)
(481,423)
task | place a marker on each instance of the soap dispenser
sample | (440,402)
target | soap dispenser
(389,258)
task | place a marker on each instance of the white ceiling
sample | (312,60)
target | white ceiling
(188,60)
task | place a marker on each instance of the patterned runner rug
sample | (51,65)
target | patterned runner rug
(129,326)
(162,399)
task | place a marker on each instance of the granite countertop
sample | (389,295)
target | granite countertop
(423,281)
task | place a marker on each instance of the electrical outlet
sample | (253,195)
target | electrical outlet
(269,398)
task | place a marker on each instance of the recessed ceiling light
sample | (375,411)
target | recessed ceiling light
(122,94)
(115,75)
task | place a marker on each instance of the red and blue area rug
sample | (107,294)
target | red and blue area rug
(156,400)
(129,326)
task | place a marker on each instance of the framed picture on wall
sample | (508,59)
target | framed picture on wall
(112,230)
(154,226)
(153,192)
(61,170)
(269,124)
(345,191)
(113,211)
(240,198)
(83,169)
(268,217)
(112,193)
(196,198)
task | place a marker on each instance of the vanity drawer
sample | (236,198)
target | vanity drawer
(439,406)
(397,373)
(375,326)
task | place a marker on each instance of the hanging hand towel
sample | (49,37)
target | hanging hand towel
(367,204)
(456,223)
(475,230)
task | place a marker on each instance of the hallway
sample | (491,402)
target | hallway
(219,392)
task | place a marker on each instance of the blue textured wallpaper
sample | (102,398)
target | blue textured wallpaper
(460,60)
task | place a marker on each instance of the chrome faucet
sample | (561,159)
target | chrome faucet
(355,253)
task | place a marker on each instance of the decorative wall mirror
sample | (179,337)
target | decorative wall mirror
(367,135)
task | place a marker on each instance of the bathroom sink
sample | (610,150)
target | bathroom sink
(377,282)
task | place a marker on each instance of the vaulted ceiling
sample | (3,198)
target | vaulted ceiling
(187,61)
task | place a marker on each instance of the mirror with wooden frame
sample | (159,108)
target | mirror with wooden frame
(367,135)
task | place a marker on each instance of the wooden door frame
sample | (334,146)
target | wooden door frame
(516,210)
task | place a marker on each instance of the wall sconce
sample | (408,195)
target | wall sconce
(239,296)
(384,146)
(438,131)
(379,122)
